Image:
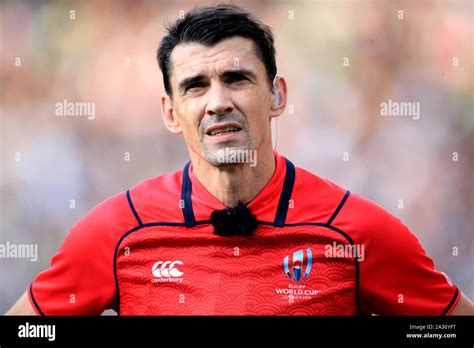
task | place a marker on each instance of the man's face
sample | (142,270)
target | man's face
(221,97)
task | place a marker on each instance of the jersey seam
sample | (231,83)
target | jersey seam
(186,197)
(286,193)
(451,303)
(132,208)
(34,300)
(339,207)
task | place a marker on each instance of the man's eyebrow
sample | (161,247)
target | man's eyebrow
(240,72)
(190,80)
(226,74)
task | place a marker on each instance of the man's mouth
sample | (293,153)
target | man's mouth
(223,129)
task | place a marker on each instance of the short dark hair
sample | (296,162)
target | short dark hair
(209,26)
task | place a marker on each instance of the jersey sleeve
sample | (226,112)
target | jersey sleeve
(396,277)
(80,279)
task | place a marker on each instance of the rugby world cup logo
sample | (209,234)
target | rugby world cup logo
(302,261)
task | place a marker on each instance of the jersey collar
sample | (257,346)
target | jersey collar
(270,205)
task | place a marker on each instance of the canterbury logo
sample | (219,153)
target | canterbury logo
(166,269)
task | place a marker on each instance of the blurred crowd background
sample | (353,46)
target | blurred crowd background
(341,60)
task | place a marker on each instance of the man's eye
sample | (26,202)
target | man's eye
(195,85)
(236,78)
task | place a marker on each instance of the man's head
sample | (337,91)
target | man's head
(219,73)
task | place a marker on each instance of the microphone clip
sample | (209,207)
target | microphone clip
(238,220)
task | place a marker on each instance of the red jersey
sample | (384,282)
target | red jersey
(318,250)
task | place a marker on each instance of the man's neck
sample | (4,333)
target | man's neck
(235,183)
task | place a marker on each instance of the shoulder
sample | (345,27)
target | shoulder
(158,199)
(113,208)
(103,224)
(314,199)
(319,200)
(149,201)
(370,224)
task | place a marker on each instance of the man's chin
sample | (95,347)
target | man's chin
(231,156)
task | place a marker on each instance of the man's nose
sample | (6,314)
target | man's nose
(220,101)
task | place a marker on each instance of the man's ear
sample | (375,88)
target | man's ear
(279,96)
(169,115)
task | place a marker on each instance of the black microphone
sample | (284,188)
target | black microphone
(238,220)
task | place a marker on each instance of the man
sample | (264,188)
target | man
(239,231)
